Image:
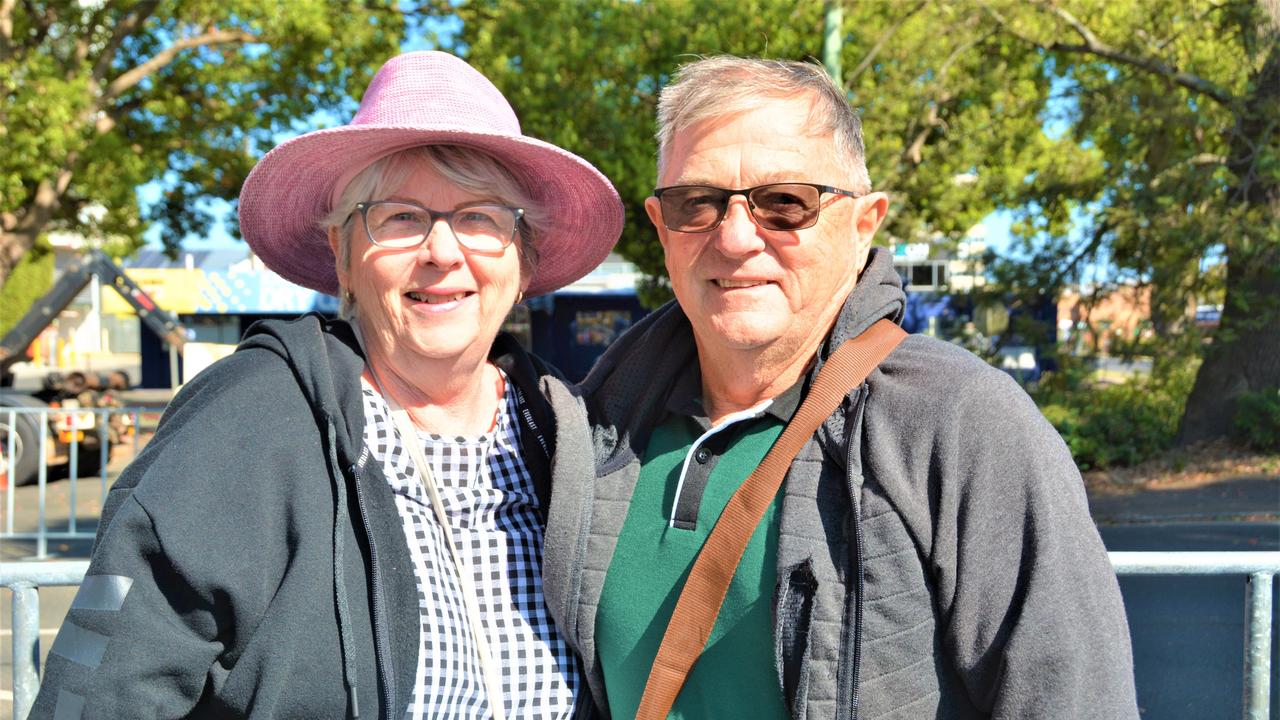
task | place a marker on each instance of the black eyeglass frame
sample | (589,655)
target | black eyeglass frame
(434,216)
(751,206)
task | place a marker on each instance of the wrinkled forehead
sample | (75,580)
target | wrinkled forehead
(775,140)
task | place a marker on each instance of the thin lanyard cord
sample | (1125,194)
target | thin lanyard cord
(409,439)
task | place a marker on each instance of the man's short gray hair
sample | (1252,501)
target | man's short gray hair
(468,168)
(726,85)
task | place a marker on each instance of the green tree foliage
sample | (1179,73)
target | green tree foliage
(1141,136)
(1114,425)
(938,91)
(1257,421)
(1181,101)
(29,280)
(98,98)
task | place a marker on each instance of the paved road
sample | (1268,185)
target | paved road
(1253,497)
(1233,536)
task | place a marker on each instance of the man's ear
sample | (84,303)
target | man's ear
(654,209)
(871,213)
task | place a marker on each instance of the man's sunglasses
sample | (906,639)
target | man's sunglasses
(777,206)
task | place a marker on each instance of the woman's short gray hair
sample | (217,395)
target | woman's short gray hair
(725,85)
(472,170)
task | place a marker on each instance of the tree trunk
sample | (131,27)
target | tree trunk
(1245,353)
(13,245)
(19,233)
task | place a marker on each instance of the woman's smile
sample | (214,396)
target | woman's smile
(438,301)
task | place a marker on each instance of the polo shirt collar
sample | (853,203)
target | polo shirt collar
(685,397)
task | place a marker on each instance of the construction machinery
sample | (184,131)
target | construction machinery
(70,395)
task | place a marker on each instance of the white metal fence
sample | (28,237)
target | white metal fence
(1260,569)
(26,436)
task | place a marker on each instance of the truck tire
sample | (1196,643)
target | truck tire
(89,460)
(26,441)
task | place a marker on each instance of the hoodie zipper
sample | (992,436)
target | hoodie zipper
(851,635)
(379,632)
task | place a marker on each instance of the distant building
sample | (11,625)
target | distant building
(217,294)
(938,267)
(1100,323)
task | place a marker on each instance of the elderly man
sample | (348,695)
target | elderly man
(930,554)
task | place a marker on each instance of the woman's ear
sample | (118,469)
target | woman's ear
(335,245)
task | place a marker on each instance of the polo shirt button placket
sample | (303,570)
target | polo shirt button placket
(702,455)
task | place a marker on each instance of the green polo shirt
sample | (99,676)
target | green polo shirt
(735,675)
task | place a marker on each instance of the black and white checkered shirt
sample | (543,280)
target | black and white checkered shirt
(489,499)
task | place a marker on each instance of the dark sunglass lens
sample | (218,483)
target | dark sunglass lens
(785,207)
(692,209)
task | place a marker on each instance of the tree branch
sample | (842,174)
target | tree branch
(880,43)
(932,120)
(1200,160)
(1095,46)
(6,28)
(1098,47)
(913,154)
(123,29)
(1090,248)
(47,198)
(166,56)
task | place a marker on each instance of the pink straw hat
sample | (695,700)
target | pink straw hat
(424,98)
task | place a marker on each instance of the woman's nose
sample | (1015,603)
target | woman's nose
(441,247)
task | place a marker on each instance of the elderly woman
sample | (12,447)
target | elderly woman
(344,518)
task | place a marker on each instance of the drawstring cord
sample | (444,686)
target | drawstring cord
(339,577)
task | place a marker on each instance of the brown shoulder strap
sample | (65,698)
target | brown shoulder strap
(703,594)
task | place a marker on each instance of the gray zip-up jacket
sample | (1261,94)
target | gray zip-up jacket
(936,556)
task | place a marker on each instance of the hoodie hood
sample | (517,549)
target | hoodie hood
(319,352)
(877,295)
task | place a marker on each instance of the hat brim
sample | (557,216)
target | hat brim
(288,193)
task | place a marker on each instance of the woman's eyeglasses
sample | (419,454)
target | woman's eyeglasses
(777,206)
(481,227)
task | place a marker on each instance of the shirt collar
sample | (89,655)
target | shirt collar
(685,397)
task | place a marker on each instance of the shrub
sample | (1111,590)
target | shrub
(1119,424)
(1257,420)
(31,278)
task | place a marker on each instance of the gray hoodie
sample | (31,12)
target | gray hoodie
(936,555)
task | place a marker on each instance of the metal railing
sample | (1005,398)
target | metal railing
(1260,568)
(14,448)
(23,580)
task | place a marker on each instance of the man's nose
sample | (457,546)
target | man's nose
(738,234)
